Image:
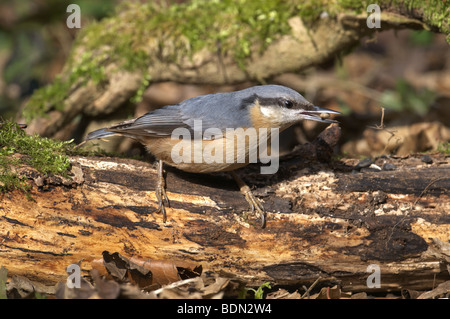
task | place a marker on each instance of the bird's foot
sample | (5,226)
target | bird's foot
(254,202)
(161,193)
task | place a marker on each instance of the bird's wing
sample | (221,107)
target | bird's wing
(196,115)
(160,122)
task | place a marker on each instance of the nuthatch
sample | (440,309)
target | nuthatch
(265,107)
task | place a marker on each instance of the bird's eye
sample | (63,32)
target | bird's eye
(288,104)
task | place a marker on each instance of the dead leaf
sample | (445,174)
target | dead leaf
(98,265)
(283,294)
(106,289)
(399,140)
(165,272)
(85,291)
(141,276)
(331,293)
(182,289)
(441,291)
(147,274)
(216,289)
(21,287)
(123,270)
(440,250)
(116,265)
(203,287)
(410,294)
(359,295)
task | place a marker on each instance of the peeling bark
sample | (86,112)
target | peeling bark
(324,220)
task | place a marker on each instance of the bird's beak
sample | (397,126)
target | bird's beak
(319,114)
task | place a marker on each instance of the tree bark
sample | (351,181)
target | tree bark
(327,220)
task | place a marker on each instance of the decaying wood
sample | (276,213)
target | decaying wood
(326,220)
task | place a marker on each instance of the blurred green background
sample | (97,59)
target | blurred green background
(34,44)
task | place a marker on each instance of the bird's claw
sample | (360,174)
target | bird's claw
(161,193)
(255,204)
(162,197)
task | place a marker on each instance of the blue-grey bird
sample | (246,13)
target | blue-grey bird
(202,124)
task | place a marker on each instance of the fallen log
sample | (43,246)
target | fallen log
(327,220)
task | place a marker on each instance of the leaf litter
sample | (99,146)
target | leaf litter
(114,276)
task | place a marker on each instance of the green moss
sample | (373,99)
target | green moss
(437,12)
(17,148)
(47,156)
(51,97)
(180,30)
(183,29)
(142,33)
(140,92)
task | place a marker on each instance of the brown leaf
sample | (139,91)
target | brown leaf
(201,287)
(182,289)
(442,290)
(187,270)
(216,289)
(106,289)
(21,287)
(141,276)
(410,294)
(283,294)
(85,291)
(147,274)
(359,295)
(98,265)
(122,269)
(105,286)
(329,293)
(165,272)
(116,265)
(440,249)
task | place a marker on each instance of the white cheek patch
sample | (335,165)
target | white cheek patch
(280,117)
(268,111)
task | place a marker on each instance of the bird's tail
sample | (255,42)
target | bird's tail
(99,134)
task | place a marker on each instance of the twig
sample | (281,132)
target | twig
(175,285)
(426,188)
(382,127)
(310,288)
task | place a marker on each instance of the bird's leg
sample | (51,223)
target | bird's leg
(161,192)
(251,199)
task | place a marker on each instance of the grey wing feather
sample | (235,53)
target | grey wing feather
(98,134)
(160,122)
(196,114)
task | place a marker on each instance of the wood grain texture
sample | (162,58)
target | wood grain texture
(324,219)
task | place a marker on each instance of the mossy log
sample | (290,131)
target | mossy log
(325,220)
(116,59)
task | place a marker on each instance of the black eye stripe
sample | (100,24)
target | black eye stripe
(275,101)
(267,101)
(248,101)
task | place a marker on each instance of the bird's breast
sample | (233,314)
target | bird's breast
(234,149)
